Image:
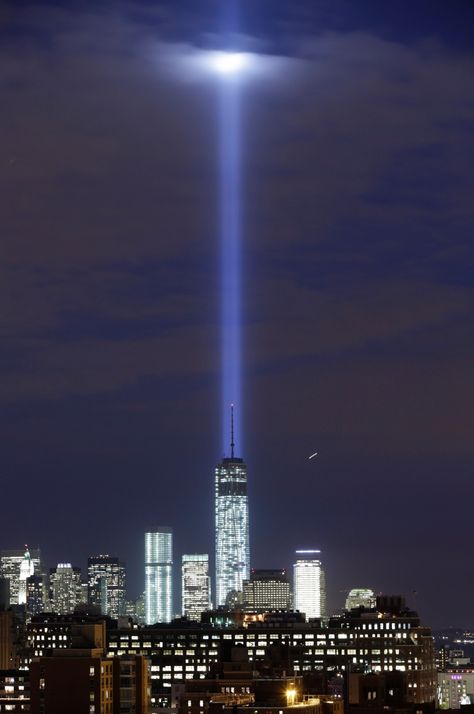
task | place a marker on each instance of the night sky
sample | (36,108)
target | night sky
(358,218)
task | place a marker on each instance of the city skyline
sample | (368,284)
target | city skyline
(355,136)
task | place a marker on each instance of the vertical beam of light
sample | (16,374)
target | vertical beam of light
(230,227)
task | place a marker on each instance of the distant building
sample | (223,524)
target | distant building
(66,588)
(4,593)
(35,595)
(360,597)
(159,576)
(7,639)
(11,563)
(195,585)
(456,687)
(232,525)
(309,584)
(267,590)
(106,584)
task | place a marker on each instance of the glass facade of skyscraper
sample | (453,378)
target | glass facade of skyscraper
(159,576)
(309,584)
(196,591)
(106,584)
(66,589)
(232,527)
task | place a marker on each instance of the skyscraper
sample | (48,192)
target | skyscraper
(66,588)
(10,566)
(309,584)
(27,569)
(232,524)
(159,576)
(196,587)
(35,590)
(106,584)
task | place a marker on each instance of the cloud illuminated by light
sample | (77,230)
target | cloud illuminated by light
(229,63)
(195,64)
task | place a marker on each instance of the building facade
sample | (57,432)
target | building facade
(106,584)
(159,576)
(11,567)
(35,600)
(360,597)
(66,591)
(455,687)
(231,527)
(267,590)
(195,585)
(14,690)
(375,642)
(309,584)
(381,642)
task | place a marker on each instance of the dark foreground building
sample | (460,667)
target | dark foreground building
(81,678)
(388,641)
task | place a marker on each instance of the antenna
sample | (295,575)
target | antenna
(232,443)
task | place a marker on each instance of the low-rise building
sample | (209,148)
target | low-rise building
(14,690)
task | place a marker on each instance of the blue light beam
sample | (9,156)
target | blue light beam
(230,229)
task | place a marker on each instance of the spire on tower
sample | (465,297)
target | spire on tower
(232,443)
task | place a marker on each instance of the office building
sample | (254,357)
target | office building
(456,687)
(232,525)
(7,639)
(66,589)
(35,595)
(309,584)
(360,597)
(267,590)
(159,576)
(106,584)
(71,673)
(4,593)
(14,690)
(195,586)
(16,562)
(378,642)
(386,640)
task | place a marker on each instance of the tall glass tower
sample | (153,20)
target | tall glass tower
(196,590)
(106,584)
(309,584)
(159,576)
(232,524)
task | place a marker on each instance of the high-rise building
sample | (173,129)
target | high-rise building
(106,584)
(196,587)
(35,595)
(267,590)
(159,576)
(11,567)
(232,525)
(66,588)
(360,597)
(309,584)
(27,569)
